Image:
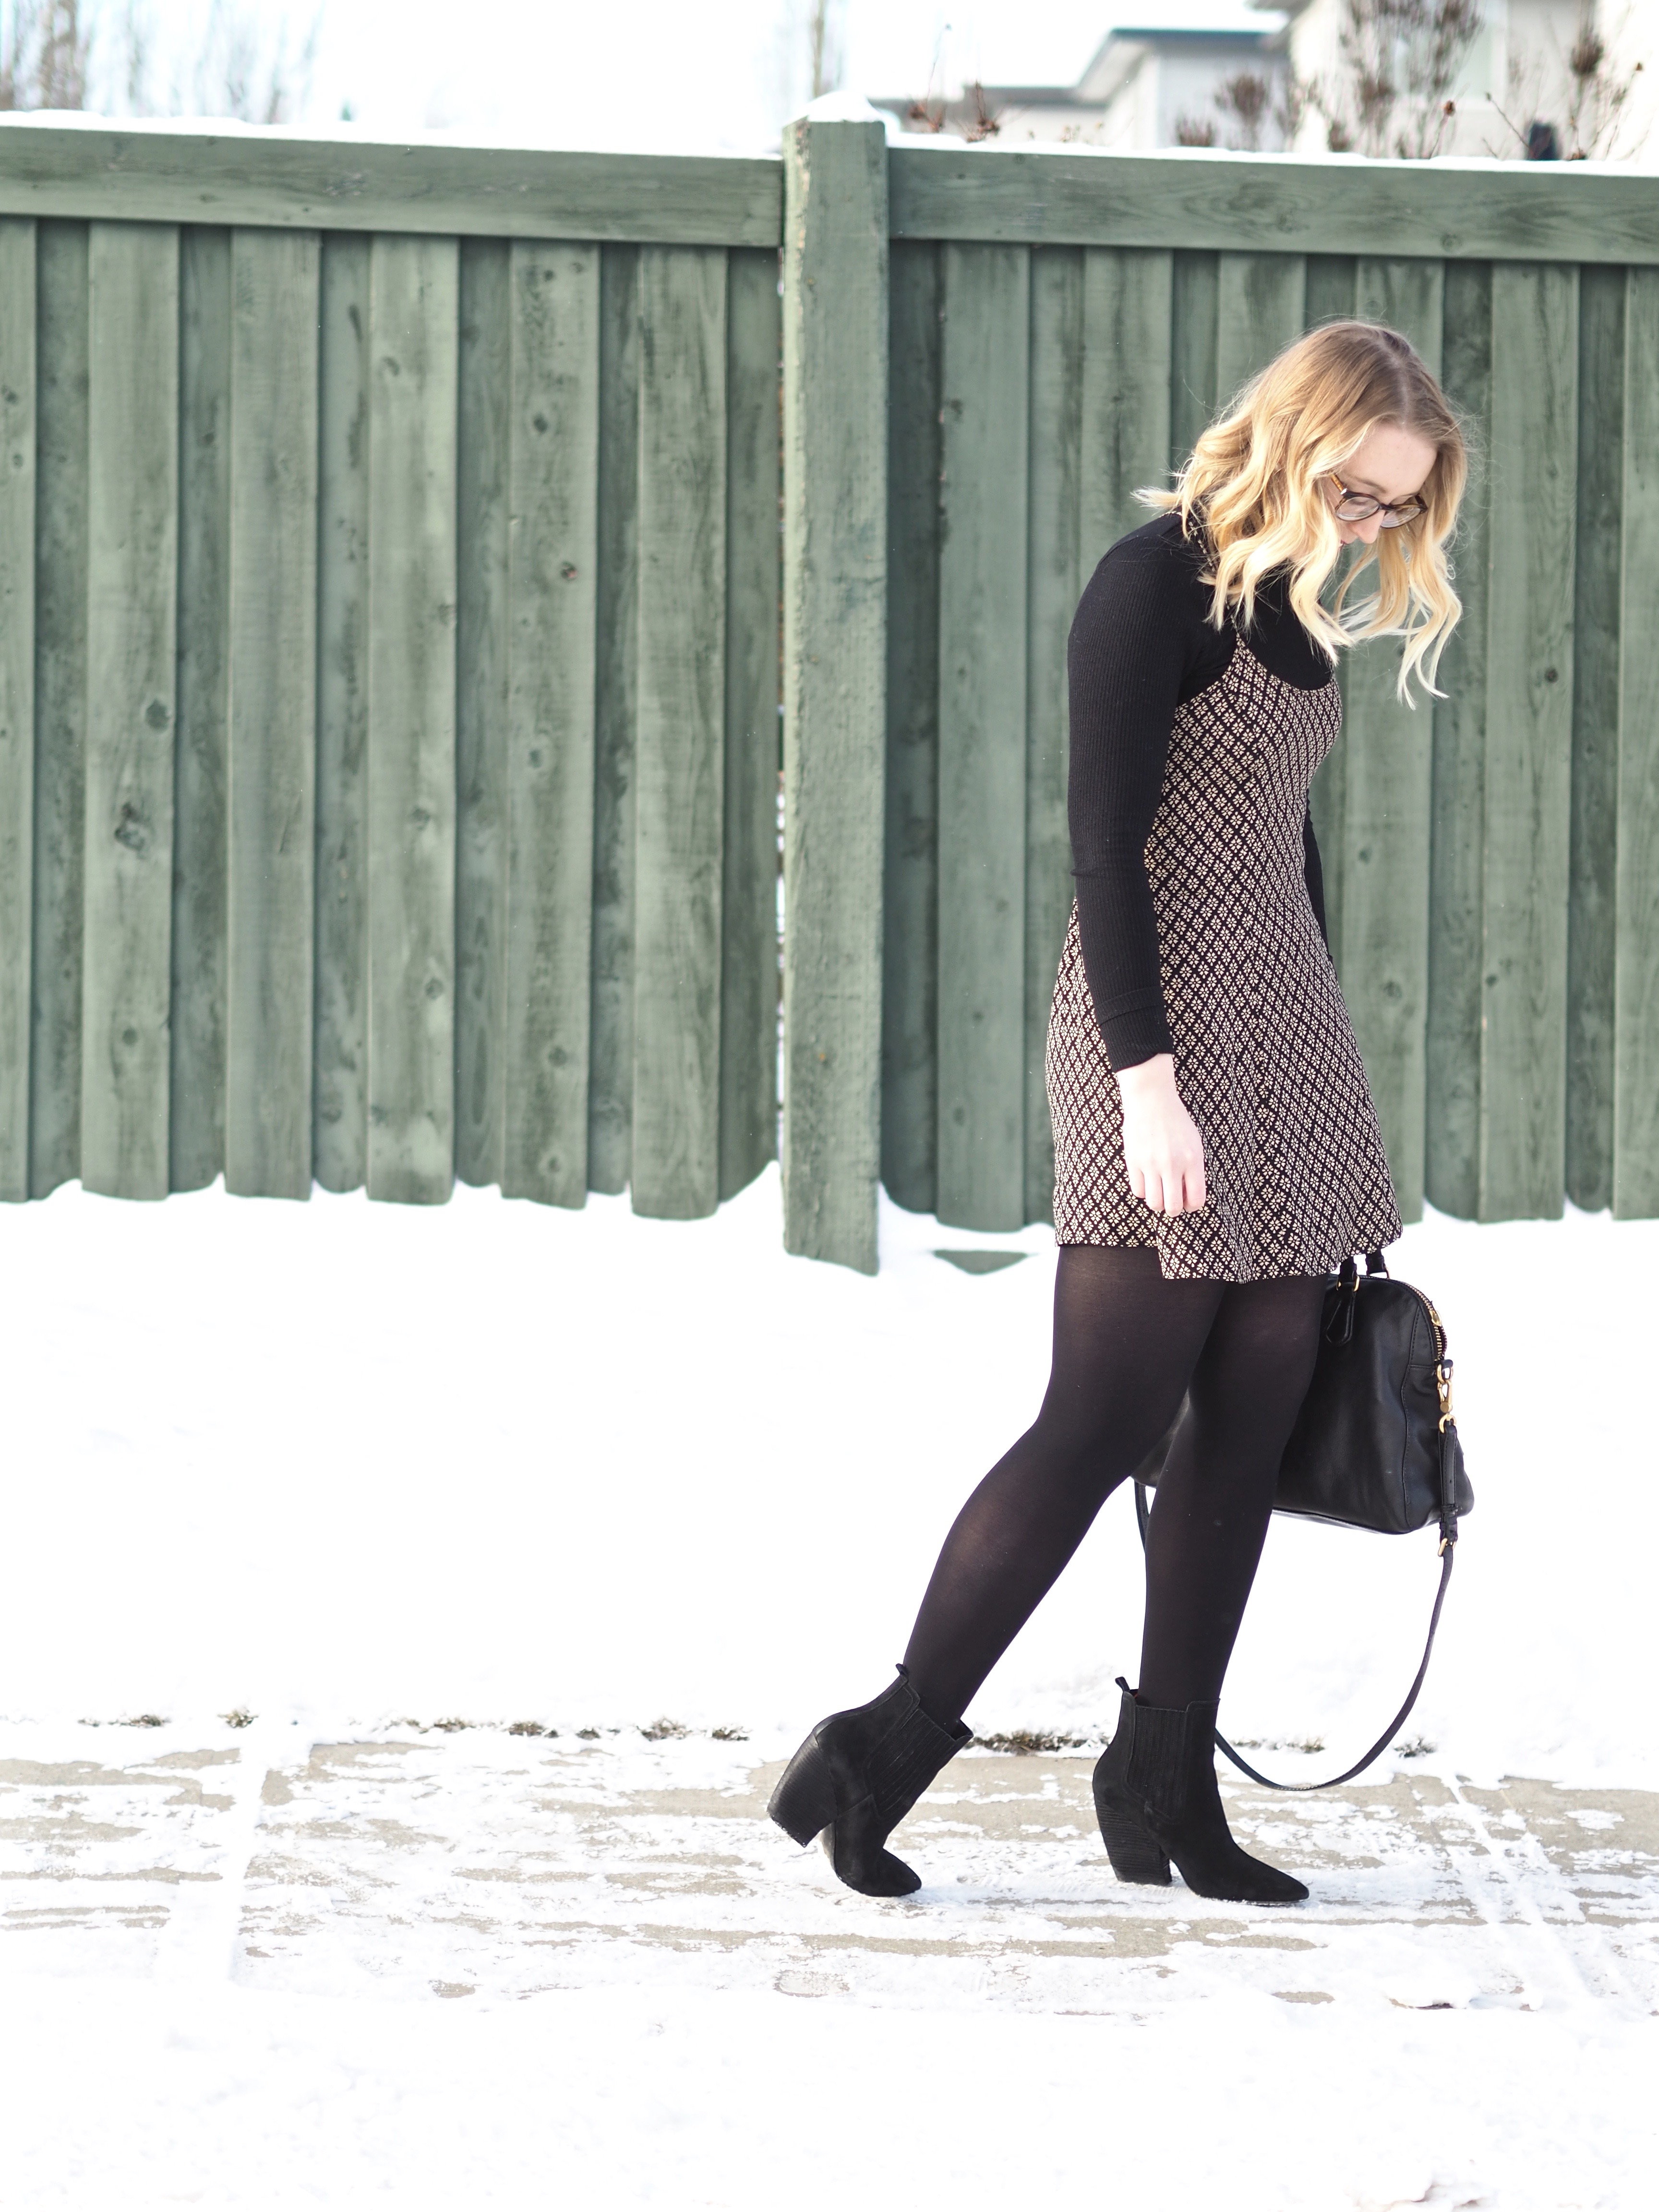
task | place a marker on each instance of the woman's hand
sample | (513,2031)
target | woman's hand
(1161,1148)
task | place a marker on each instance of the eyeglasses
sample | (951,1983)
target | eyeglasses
(1360,507)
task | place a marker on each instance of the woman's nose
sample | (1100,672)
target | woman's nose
(1369,530)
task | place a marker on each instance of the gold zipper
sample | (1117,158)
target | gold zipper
(1442,1366)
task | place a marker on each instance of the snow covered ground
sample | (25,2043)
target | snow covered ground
(365,1474)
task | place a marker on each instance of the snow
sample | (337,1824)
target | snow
(361,1471)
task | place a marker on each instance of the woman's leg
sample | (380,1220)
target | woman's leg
(1216,1492)
(1155,1787)
(1125,1344)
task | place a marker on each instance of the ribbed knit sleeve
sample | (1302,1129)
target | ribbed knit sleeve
(1130,648)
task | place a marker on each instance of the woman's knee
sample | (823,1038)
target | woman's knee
(1099,1444)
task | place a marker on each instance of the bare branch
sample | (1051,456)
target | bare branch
(1248,99)
(1399,61)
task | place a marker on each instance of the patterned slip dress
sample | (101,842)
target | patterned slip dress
(1265,1060)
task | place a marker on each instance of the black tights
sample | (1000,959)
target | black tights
(1126,1345)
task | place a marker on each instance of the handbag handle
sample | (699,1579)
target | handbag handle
(1447,1553)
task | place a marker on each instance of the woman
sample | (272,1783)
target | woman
(1216,1150)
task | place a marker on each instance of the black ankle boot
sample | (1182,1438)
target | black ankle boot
(855,1779)
(1156,1799)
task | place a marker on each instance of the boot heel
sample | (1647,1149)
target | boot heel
(1135,1854)
(803,1802)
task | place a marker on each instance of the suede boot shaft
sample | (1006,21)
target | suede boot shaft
(856,1776)
(1159,1803)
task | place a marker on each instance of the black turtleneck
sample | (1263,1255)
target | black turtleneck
(1140,645)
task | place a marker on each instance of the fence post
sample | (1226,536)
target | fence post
(835,651)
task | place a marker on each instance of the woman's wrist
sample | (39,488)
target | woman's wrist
(1147,1078)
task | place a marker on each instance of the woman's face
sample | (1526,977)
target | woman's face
(1389,464)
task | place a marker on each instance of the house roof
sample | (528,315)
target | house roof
(1236,26)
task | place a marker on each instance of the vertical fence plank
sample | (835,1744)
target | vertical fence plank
(1457,845)
(1636,1068)
(1128,378)
(553,569)
(60,704)
(1329,290)
(17,447)
(1534,424)
(132,579)
(1196,281)
(413,377)
(340,1036)
(682,732)
(1593,859)
(1329,298)
(1387,787)
(910,1051)
(481,666)
(1055,466)
(1260,308)
(749,927)
(197,1139)
(610,1041)
(982,737)
(834,662)
(272,829)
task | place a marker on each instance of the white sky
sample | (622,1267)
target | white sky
(644,73)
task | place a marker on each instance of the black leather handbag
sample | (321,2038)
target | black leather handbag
(1375,1445)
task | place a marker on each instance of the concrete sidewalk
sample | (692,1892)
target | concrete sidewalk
(470,1862)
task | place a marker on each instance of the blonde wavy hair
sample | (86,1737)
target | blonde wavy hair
(1250,495)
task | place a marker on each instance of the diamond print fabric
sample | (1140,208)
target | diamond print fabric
(1265,1054)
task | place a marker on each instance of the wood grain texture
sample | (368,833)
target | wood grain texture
(1387,792)
(1329,297)
(1181,197)
(413,350)
(1534,422)
(982,737)
(481,677)
(271,902)
(749,918)
(1328,293)
(60,704)
(680,765)
(1457,841)
(1058,377)
(132,581)
(196,1145)
(835,659)
(909,1016)
(610,1041)
(1193,351)
(1260,308)
(17,448)
(1635,1062)
(1128,373)
(552,590)
(1594,858)
(285,181)
(1284,203)
(340,1033)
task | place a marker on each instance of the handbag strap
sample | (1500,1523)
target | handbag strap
(1447,1553)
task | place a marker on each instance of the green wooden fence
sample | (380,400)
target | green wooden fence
(389,674)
